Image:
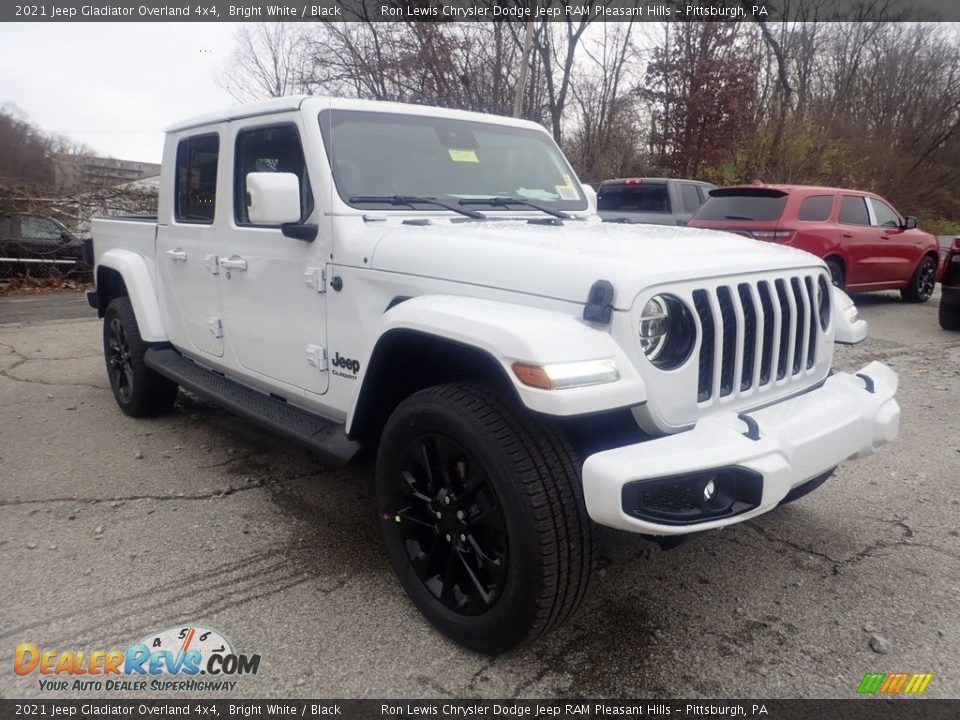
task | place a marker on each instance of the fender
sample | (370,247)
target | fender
(508,333)
(140,288)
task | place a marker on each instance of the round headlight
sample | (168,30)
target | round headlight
(824,290)
(667,331)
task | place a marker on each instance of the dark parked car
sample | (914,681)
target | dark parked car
(950,288)
(658,201)
(28,241)
(865,242)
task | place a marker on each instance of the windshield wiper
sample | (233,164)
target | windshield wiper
(506,202)
(412,200)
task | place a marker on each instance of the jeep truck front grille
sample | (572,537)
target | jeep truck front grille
(755,333)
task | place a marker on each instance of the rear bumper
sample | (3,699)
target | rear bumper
(773,450)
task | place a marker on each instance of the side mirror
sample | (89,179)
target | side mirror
(65,237)
(273,198)
(909,222)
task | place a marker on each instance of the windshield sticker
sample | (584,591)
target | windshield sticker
(536,194)
(568,191)
(463,155)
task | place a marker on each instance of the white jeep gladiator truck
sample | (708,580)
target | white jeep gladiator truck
(436,286)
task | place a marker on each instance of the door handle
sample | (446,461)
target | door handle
(846,235)
(178,255)
(235,262)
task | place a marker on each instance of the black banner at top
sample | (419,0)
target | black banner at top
(479,10)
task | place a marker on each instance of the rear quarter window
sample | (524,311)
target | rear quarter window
(743,206)
(815,208)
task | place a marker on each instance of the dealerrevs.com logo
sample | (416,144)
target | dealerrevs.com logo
(191,658)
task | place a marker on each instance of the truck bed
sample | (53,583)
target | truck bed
(136,233)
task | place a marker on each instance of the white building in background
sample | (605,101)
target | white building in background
(80,172)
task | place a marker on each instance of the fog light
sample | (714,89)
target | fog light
(709,490)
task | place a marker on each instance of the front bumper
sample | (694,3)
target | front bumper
(783,445)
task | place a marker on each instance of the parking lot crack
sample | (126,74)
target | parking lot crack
(766,534)
(209,495)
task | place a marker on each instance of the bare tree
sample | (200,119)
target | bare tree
(268,62)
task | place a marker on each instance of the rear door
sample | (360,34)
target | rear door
(898,248)
(860,241)
(188,241)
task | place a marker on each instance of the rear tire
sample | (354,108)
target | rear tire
(138,390)
(950,308)
(483,515)
(921,285)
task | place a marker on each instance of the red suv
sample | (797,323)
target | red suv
(865,242)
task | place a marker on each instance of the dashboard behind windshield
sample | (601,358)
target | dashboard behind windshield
(385,154)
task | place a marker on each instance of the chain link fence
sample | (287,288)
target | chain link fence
(42,234)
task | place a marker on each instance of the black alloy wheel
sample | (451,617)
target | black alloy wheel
(451,524)
(921,285)
(119,365)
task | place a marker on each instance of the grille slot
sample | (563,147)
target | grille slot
(705,383)
(755,333)
(752,343)
(814,320)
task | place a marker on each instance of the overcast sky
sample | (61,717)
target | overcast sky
(114,86)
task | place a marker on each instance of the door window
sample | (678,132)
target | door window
(884,215)
(196,190)
(35,228)
(691,198)
(269,149)
(853,210)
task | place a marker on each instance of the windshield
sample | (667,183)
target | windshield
(380,155)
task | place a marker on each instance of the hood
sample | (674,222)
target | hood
(563,261)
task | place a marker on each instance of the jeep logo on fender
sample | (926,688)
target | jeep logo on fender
(346,363)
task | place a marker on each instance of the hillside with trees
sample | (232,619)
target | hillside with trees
(872,105)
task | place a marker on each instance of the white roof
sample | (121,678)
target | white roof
(294,102)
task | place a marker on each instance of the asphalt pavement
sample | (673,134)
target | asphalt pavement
(113,528)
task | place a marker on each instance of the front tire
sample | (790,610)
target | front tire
(921,285)
(483,515)
(138,390)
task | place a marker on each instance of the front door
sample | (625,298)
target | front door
(187,245)
(860,242)
(273,294)
(899,250)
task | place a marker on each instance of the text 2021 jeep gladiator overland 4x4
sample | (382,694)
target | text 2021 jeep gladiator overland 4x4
(436,285)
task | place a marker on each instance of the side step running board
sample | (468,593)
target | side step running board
(322,436)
